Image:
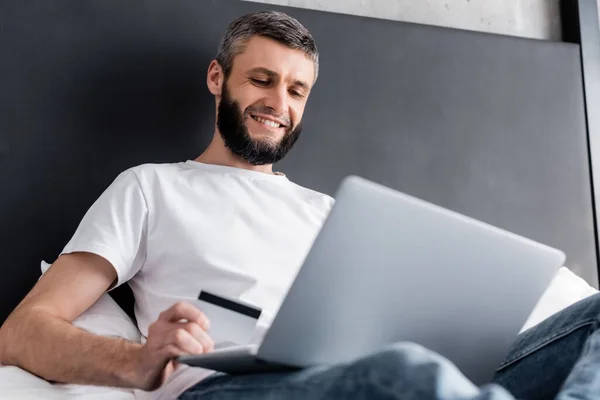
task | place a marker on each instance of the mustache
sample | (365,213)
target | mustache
(268,111)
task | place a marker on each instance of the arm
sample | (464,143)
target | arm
(39,337)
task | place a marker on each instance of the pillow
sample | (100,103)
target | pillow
(106,318)
(565,289)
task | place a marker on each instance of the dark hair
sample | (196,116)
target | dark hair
(271,24)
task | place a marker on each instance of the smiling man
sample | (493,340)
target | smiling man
(227,224)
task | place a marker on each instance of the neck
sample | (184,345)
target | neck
(218,154)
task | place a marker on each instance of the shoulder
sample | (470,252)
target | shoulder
(145,171)
(147,175)
(145,178)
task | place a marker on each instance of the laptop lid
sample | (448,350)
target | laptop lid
(387,267)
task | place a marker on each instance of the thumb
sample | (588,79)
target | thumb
(168,371)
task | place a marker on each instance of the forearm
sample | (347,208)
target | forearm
(57,351)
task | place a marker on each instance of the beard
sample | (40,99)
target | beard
(235,135)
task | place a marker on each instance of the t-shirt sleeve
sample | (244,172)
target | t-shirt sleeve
(115,227)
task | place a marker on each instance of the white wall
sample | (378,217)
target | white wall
(538,19)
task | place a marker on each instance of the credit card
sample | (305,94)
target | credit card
(232,322)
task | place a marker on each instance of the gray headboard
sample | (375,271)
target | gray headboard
(490,126)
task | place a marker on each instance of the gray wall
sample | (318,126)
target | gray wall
(539,19)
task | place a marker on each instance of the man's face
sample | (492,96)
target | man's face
(263,99)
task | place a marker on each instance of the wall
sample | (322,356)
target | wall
(539,19)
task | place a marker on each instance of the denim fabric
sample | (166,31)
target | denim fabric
(559,358)
(544,356)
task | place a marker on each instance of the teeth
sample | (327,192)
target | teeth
(267,122)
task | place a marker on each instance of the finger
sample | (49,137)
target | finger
(183,310)
(199,334)
(159,328)
(185,342)
(171,352)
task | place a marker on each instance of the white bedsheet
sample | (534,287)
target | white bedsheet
(106,318)
(17,384)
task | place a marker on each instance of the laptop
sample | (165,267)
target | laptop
(387,267)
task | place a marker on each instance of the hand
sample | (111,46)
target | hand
(179,330)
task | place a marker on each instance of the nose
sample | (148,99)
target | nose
(278,100)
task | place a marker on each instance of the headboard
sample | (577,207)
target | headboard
(490,126)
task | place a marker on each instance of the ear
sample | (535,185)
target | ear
(215,78)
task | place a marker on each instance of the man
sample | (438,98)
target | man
(228,224)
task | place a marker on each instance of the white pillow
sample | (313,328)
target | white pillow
(565,289)
(106,318)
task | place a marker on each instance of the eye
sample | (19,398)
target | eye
(296,94)
(259,82)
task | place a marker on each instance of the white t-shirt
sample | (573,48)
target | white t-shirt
(172,230)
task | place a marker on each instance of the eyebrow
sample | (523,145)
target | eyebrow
(273,74)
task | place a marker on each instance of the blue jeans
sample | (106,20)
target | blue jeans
(559,358)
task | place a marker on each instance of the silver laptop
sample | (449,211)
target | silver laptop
(387,267)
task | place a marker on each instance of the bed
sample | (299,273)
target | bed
(492,126)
